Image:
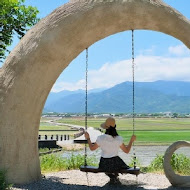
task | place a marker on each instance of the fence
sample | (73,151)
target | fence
(54,137)
(57,135)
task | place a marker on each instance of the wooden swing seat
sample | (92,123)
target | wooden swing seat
(93,169)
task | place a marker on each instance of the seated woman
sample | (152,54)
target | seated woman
(110,142)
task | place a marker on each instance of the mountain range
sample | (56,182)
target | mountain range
(150,97)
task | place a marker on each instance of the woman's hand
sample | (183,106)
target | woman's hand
(133,138)
(91,146)
(87,136)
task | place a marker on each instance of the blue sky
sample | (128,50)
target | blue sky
(157,55)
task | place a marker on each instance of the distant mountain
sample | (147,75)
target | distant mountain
(178,88)
(54,97)
(150,97)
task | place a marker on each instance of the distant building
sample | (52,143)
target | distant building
(167,114)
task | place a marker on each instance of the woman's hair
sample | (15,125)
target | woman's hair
(112,131)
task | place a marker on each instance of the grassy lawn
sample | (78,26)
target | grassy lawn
(153,131)
(156,137)
(140,123)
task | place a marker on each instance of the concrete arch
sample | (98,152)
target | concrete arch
(175,179)
(46,50)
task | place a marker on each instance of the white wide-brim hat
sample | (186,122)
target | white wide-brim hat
(110,122)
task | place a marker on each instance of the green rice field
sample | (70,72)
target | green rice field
(149,131)
(156,137)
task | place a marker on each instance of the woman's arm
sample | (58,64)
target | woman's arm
(91,146)
(127,148)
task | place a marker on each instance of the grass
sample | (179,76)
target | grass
(156,137)
(149,131)
(3,184)
(140,123)
(45,126)
(179,162)
(55,162)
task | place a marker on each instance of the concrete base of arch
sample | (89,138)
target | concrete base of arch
(175,179)
(32,68)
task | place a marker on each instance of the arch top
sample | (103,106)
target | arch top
(47,49)
(81,23)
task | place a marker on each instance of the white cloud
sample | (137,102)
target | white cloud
(110,74)
(179,50)
(59,86)
(147,68)
(152,68)
(149,51)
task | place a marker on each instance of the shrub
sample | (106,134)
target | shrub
(3,184)
(75,161)
(131,163)
(55,162)
(156,164)
(179,162)
(52,162)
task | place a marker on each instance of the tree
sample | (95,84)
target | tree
(175,115)
(15,19)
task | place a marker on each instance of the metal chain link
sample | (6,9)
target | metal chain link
(86,114)
(86,105)
(133,71)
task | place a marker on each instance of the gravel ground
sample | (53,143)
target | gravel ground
(74,179)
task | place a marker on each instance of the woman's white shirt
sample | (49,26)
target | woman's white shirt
(109,145)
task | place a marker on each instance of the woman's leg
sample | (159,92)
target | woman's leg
(113,178)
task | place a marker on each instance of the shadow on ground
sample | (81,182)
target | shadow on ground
(57,183)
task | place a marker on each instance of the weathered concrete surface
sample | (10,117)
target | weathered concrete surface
(175,179)
(46,50)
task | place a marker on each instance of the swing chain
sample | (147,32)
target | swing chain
(133,72)
(86,97)
(86,105)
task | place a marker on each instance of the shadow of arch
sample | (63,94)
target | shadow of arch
(175,179)
(32,68)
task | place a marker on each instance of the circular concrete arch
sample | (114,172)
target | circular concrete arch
(46,50)
(175,179)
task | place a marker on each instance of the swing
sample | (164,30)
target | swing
(133,170)
(93,169)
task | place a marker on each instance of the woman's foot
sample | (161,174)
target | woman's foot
(114,180)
